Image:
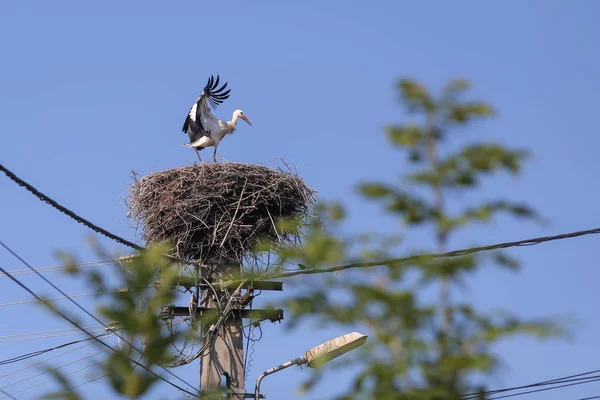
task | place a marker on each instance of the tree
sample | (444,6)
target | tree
(147,283)
(420,347)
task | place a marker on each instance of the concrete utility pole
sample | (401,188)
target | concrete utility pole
(225,357)
(222,364)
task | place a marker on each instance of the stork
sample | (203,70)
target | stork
(203,128)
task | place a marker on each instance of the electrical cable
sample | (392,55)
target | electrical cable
(66,211)
(84,383)
(40,352)
(44,337)
(47,332)
(564,379)
(82,309)
(16,303)
(78,218)
(53,379)
(455,253)
(46,372)
(44,360)
(545,389)
(100,341)
(8,395)
(63,267)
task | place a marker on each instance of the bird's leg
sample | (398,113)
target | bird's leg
(215,154)
(197,152)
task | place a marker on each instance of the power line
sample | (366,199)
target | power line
(45,360)
(54,379)
(54,331)
(63,267)
(8,394)
(66,211)
(16,303)
(23,339)
(57,368)
(100,341)
(85,311)
(78,218)
(545,389)
(40,352)
(86,382)
(578,378)
(455,253)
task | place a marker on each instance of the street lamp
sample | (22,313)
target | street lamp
(319,355)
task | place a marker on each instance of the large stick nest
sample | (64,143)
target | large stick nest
(216,211)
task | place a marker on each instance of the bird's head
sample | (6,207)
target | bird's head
(240,114)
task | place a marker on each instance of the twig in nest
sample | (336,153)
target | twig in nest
(211,212)
(234,214)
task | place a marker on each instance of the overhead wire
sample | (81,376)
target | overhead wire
(66,211)
(8,395)
(80,219)
(47,372)
(64,267)
(544,389)
(100,341)
(572,380)
(24,339)
(53,379)
(48,332)
(417,257)
(44,360)
(16,303)
(85,383)
(85,311)
(40,352)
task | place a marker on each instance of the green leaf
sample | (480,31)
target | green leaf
(407,135)
(415,96)
(465,112)
(374,190)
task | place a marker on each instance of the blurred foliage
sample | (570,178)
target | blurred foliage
(146,284)
(421,346)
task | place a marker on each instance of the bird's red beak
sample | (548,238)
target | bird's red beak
(246,119)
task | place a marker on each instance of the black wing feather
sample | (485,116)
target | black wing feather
(213,95)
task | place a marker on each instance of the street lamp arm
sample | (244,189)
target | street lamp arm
(297,361)
(319,355)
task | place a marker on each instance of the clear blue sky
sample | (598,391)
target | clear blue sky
(91,91)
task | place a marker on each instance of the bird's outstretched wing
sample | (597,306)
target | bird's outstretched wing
(213,94)
(200,119)
(193,124)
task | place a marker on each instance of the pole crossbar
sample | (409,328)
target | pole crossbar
(272,315)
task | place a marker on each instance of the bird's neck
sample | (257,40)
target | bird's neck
(234,119)
(232,124)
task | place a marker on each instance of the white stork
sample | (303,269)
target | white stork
(203,128)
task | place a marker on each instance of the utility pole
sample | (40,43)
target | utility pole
(222,363)
(224,357)
(213,214)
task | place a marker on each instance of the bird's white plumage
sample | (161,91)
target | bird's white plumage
(203,128)
(204,141)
